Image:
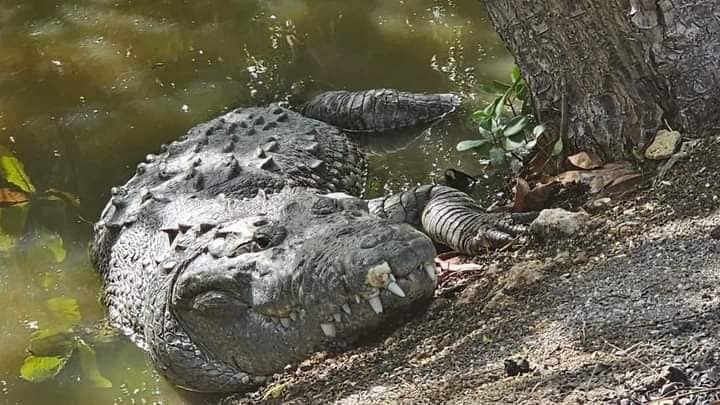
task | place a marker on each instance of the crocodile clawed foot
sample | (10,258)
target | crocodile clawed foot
(504,230)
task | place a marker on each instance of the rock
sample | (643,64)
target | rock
(715,233)
(663,146)
(513,367)
(558,223)
(523,274)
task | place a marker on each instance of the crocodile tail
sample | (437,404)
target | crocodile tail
(380,110)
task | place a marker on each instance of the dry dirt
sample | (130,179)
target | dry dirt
(627,312)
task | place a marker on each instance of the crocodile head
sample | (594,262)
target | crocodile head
(244,297)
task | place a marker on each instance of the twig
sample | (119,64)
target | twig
(642,363)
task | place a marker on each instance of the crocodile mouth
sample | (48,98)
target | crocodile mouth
(383,289)
(259,315)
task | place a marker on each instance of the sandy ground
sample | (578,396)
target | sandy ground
(627,312)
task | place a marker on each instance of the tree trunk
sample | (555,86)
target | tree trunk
(622,65)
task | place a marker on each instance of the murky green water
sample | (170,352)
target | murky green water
(87,88)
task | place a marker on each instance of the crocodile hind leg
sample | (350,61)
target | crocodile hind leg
(452,218)
(380,110)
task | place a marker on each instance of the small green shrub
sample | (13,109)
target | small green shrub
(506,130)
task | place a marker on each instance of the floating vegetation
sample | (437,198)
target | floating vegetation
(53,346)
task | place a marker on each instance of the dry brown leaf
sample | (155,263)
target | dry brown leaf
(624,183)
(533,199)
(521,189)
(10,196)
(597,179)
(585,160)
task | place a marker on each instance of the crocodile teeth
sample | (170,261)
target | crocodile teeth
(328,329)
(293,316)
(378,275)
(274,320)
(376,304)
(394,288)
(285,322)
(430,270)
(346,308)
(357,299)
(337,317)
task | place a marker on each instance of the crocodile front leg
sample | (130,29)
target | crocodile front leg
(451,217)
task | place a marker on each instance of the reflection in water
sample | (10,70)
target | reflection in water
(88,87)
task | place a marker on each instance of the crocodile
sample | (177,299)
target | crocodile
(246,245)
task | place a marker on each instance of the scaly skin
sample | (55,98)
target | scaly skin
(240,248)
(380,110)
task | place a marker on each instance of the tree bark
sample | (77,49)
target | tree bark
(624,66)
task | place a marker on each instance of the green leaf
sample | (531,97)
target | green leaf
(495,87)
(515,74)
(497,125)
(478,116)
(538,130)
(88,364)
(13,171)
(511,145)
(489,109)
(500,106)
(558,147)
(66,312)
(44,247)
(497,156)
(521,91)
(41,368)
(54,244)
(485,129)
(516,125)
(470,144)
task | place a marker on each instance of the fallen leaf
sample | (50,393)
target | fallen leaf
(41,368)
(275,391)
(597,179)
(624,183)
(12,170)
(10,196)
(585,160)
(533,199)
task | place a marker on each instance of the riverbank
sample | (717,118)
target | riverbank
(627,311)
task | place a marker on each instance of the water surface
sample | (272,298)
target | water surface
(87,88)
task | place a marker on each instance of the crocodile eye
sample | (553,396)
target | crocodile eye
(211,301)
(269,236)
